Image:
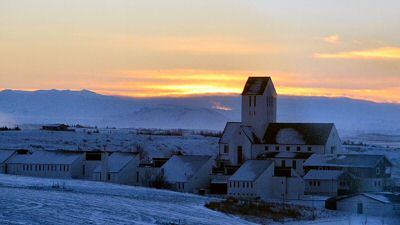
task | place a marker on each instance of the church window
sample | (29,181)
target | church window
(309,149)
(287,148)
(250,101)
(277,148)
(298,148)
(255,101)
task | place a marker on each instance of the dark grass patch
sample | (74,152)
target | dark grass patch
(274,211)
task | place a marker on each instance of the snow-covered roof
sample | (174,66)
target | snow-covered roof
(46,157)
(323,175)
(251,170)
(5,154)
(298,133)
(229,132)
(180,168)
(344,160)
(384,197)
(255,85)
(117,161)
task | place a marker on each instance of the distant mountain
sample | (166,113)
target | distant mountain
(206,112)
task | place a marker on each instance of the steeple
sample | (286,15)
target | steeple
(259,104)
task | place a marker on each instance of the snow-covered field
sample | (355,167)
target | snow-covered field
(25,200)
(31,137)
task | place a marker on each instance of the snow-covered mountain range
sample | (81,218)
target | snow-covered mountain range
(200,112)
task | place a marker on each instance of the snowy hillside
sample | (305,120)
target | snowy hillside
(25,200)
(207,112)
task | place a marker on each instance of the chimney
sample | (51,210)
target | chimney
(104,166)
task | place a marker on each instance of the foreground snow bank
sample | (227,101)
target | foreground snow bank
(51,201)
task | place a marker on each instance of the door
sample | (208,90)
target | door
(239,154)
(359,208)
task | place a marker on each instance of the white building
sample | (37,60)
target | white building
(325,182)
(252,180)
(258,133)
(260,136)
(376,204)
(368,173)
(4,156)
(188,173)
(55,164)
(119,167)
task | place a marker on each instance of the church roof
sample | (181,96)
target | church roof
(255,85)
(323,175)
(181,168)
(298,133)
(229,132)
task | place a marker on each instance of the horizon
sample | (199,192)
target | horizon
(194,95)
(177,48)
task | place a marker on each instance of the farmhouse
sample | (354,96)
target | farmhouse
(188,173)
(119,167)
(4,156)
(368,173)
(55,164)
(252,180)
(381,204)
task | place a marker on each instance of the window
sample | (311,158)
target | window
(250,101)
(378,171)
(251,184)
(226,149)
(137,176)
(309,148)
(310,183)
(277,148)
(266,148)
(294,164)
(109,176)
(255,101)
(318,183)
(387,170)
(287,148)
(298,148)
(283,163)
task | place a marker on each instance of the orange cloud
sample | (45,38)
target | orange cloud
(333,39)
(379,53)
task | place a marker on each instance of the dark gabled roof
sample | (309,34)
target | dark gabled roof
(384,197)
(255,85)
(250,134)
(298,133)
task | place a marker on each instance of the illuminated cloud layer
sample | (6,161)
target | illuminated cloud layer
(379,53)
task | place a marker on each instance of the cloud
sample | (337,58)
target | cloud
(378,53)
(333,39)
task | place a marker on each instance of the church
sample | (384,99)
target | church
(260,137)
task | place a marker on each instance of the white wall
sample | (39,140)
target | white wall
(287,188)
(370,206)
(201,179)
(325,187)
(334,144)
(73,170)
(128,174)
(262,187)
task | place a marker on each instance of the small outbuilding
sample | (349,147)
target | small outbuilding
(55,164)
(252,180)
(326,182)
(188,173)
(384,204)
(120,168)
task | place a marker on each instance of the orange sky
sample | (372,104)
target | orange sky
(178,48)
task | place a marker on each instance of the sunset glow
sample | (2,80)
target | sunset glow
(176,49)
